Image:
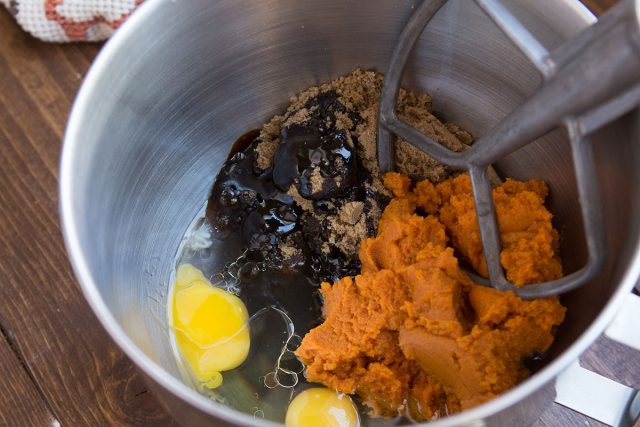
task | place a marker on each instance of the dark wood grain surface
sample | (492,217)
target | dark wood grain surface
(57,365)
(56,362)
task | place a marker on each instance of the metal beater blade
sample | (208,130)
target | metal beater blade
(588,81)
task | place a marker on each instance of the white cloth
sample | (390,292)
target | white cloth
(71,20)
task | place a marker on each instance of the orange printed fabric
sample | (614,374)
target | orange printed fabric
(71,20)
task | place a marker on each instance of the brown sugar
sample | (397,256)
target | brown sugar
(412,334)
(305,204)
(269,140)
(349,227)
(317,182)
(416,111)
(358,93)
(351,212)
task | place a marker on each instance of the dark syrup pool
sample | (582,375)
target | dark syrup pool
(238,242)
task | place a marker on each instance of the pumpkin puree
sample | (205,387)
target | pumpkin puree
(412,334)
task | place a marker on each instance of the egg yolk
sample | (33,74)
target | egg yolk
(322,407)
(210,326)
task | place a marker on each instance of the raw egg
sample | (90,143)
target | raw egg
(322,407)
(210,326)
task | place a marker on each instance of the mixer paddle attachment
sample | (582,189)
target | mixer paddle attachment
(587,82)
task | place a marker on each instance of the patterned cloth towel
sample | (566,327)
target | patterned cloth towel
(71,20)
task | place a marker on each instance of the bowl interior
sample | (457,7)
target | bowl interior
(196,75)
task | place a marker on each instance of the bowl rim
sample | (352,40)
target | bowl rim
(72,144)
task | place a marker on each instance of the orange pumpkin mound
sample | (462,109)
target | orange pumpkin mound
(412,334)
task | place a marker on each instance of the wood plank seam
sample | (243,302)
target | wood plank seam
(7,336)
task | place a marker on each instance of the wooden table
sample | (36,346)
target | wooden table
(57,364)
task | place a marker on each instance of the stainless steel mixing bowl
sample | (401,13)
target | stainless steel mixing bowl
(181,80)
